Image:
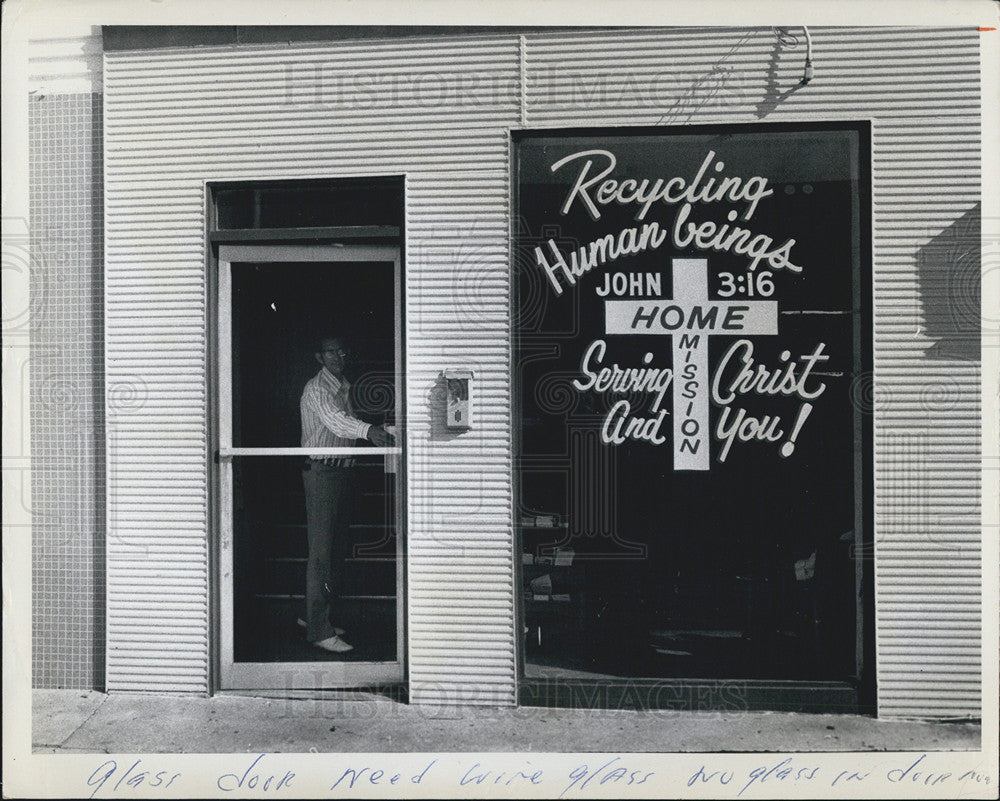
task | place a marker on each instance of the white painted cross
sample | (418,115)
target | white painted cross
(685,318)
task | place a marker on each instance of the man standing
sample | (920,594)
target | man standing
(328,422)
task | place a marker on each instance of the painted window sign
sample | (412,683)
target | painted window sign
(729,221)
(692,328)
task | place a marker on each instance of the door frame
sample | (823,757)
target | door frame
(312,675)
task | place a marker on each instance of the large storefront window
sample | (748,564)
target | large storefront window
(692,328)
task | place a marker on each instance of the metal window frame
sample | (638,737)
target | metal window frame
(862,695)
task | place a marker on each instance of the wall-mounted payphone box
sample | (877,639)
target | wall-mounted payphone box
(458,409)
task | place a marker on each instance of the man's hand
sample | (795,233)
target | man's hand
(379,437)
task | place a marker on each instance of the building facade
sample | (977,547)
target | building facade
(206,201)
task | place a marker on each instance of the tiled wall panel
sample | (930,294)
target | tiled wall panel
(66,396)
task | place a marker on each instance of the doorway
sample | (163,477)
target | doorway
(275,302)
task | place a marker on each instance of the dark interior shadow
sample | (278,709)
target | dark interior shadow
(949,286)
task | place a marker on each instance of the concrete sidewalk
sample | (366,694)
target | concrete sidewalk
(75,721)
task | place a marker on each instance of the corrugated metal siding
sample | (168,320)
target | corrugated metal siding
(68,65)
(919,86)
(438,110)
(176,119)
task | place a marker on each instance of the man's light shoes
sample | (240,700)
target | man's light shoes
(335,644)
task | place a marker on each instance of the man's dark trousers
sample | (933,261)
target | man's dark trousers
(328,497)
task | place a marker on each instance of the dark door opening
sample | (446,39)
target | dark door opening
(276,303)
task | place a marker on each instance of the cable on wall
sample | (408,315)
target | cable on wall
(807,75)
